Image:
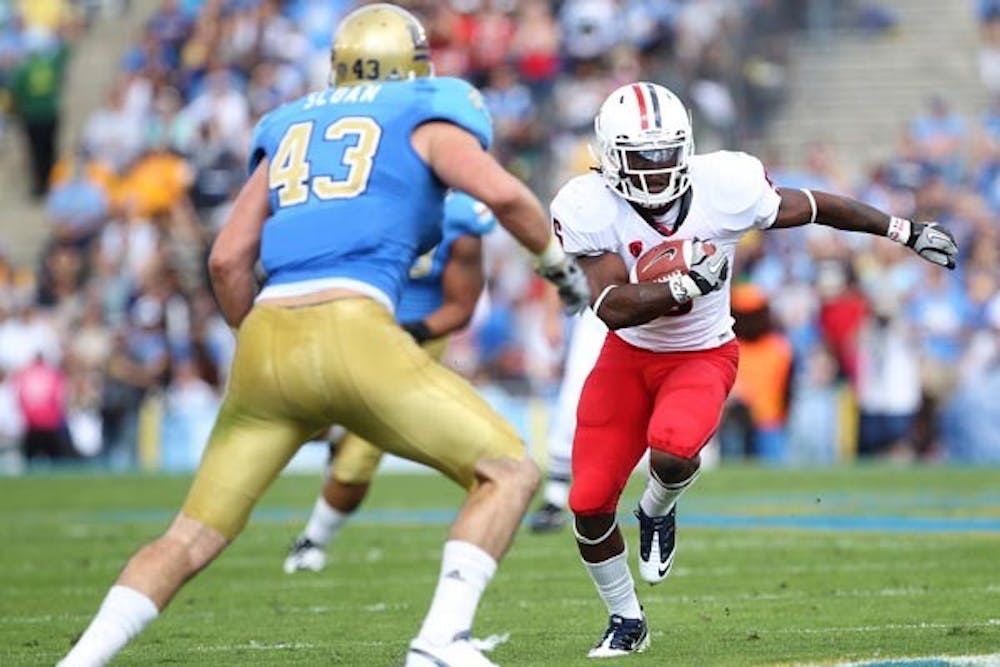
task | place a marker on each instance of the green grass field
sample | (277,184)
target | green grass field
(773,567)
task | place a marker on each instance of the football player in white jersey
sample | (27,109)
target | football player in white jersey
(670,358)
(586,339)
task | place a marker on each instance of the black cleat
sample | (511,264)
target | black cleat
(657,539)
(623,636)
(548,518)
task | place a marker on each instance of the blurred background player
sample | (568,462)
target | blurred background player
(670,360)
(586,337)
(439,299)
(346,191)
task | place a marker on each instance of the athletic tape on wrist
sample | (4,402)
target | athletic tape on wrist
(679,290)
(899,230)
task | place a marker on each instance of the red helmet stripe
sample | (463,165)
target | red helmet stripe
(643,117)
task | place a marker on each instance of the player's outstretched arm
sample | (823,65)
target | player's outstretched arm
(928,239)
(461,282)
(235,251)
(459,160)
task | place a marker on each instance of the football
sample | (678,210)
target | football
(661,261)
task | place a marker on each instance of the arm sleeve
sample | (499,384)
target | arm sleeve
(465,215)
(259,145)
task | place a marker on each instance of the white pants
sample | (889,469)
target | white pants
(585,344)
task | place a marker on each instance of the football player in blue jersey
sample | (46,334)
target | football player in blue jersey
(346,190)
(445,284)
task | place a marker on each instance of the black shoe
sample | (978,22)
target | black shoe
(623,636)
(548,518)
(657,539)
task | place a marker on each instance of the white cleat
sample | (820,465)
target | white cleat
(305,556)
(461,652)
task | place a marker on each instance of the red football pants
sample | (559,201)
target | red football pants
(635,399)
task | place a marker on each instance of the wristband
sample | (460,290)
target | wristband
(899,230)
(419,330)
(812,203)
(552,255)
(600,299)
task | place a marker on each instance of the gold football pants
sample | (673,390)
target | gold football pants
(355,460)
(296,371)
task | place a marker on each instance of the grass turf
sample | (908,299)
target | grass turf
(773,567)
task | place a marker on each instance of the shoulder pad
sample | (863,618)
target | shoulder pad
(585,203)
(732,182)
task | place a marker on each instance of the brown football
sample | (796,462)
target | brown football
(661,261)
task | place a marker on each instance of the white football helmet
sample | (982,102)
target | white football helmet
(644,140)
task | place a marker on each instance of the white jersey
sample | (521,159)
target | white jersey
(730,196)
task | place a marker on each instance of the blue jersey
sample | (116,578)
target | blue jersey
(352,204)
(424,294)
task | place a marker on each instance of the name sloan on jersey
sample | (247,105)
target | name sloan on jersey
(362,93)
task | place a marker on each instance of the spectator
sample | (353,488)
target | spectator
(42,395)
(535,46)
(939,133)
(77,205)
(888,380)
(114,135)
(36,88)
(815,413)
(760,394)
(11,426)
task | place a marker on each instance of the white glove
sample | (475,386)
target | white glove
(707,272)
(564,272)
(928,239)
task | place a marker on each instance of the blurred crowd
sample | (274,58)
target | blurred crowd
(115,335)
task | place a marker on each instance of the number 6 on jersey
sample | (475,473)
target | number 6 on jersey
(289,173)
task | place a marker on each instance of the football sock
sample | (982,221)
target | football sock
(659,497)
(465,571)
(615,586)
(324,523)
(557,492)
(122,616)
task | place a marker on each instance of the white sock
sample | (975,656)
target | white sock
(659,497)
(122,616)
(465,571)
(557,492)
(615,586)
(324,522)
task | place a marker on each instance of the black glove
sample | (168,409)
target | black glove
(934,243)
(419,330)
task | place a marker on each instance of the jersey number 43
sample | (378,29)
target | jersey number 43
(290,173)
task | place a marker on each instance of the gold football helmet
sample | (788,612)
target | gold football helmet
(379,42)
